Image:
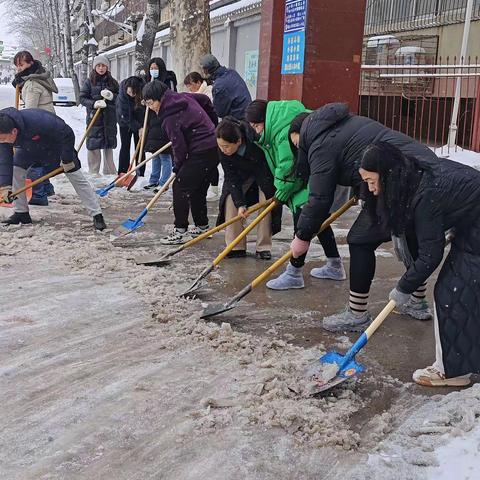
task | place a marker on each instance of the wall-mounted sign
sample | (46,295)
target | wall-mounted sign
(293,58)
(251,68)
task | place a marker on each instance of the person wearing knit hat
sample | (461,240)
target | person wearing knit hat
(100,90)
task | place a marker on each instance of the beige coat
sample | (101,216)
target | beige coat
(206,90)
(37,91)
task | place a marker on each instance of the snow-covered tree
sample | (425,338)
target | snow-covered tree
(90,43)
(146,34)
(189,34)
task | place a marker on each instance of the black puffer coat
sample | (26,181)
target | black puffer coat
(332,142)
(125,105)
(240,168)
(449,197)
(103,134)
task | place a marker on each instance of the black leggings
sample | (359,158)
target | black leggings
(326,239)
(124,157)
(190,188)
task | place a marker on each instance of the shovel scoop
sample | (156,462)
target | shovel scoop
(334,368)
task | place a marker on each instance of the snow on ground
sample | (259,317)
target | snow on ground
(458,154)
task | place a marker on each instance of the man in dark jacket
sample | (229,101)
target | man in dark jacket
(230,92)
(192,133)
(39,138)
(330,147)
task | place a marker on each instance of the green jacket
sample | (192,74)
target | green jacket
(275,143)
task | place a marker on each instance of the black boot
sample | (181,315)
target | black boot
(40,201)
(98,222)
(17,218)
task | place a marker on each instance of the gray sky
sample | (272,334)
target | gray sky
(5,35)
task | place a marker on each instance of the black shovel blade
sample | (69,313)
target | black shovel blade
(217,309)
(153,260)
(198,281)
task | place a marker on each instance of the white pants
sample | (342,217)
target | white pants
(94,158)
(77,179)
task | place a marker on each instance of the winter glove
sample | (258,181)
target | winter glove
(67,167)
(100,104)
(107,94)
(5,193)
(449,235)
(399,297)
(299,247)
(282,196)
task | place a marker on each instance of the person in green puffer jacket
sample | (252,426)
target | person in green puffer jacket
(273,121)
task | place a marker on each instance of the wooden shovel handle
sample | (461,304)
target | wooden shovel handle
(37,181)
(285,257)
(387,310)
(87,131)
(17,97)
(144,135)
(161,191)
(223,225)
(245,232)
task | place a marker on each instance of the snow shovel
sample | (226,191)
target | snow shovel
(121,180)
(196,284)
(131,225)
(213,310)
(334,368)
(130,182)
(103,192)
(166,258)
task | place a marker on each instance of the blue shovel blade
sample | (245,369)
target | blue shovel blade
(318,373)
(133,224)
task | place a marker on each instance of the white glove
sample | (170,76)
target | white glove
(399,297)
(67,167)
(5,193)
(100,104)
(106,94)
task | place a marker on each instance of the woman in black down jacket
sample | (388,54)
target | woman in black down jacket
(428,200)
(129,101)
(100,91)
(248,180)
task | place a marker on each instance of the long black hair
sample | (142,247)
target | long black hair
(136,84)
(400,176)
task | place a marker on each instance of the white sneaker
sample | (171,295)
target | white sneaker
(213,194)
(176,238)
(196,231)
(431,377)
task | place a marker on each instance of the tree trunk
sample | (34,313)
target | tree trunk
(90,46)
(189,34)
(146,35)
(68,47)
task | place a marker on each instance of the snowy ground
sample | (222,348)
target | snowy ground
(106,374)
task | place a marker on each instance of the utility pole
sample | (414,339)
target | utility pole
(453,129)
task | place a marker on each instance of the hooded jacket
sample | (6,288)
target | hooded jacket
(37,87)
(187,125)
(103,134)
(239,168)
(43,139)
(332,142)
(231,96)
(276,146)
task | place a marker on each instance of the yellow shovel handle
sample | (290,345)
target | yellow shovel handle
(245,232)
(161,191)
(220,227)
(144,134)
(87,131)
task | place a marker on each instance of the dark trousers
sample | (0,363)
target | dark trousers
(190,188)
(124,157)
(326,239)
(215,178)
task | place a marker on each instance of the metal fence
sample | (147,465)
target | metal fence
(418,99)
(386,16)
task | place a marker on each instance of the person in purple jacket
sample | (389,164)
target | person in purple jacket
(188,120)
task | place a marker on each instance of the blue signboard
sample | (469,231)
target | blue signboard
(293,58)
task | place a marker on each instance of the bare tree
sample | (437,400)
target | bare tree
(146,35)
(189,34)
(90,44)
(68,45)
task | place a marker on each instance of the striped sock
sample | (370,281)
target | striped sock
(358,302)
(419,295)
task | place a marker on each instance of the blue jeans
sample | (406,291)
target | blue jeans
(161,169)
(43,189)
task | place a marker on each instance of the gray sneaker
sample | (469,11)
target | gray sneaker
(292,277)
(329,272)
(417,310)
(347,321)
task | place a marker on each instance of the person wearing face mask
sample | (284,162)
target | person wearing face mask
(331,142)
(100,91)
(156,137)
(248,180)
(425,200)
(272,122)
(128,104)
(36,91)
(187,121)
